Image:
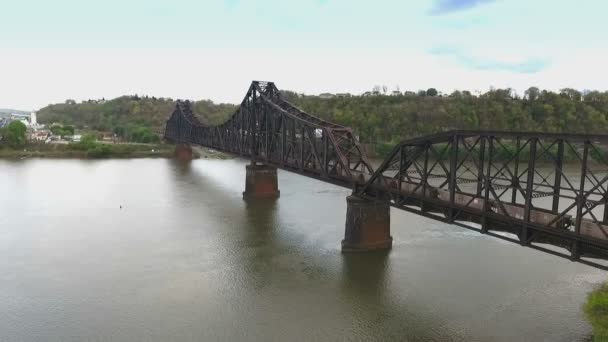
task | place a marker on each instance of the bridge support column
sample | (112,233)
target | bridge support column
(183,152)
(261,181)
(368,225)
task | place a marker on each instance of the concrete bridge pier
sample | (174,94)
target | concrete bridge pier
(183,152)
(368,225)
(261,181)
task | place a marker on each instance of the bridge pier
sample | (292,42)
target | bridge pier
(368,225)
(183,152)
(261,181)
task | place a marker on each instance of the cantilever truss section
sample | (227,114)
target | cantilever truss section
(270,130)
(545,191)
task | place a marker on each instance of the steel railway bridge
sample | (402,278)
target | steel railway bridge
(544,191)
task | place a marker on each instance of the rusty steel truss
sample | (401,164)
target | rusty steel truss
(544,191)
(269,130)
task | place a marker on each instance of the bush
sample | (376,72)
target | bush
(596,311)
(99,151)
(62,131)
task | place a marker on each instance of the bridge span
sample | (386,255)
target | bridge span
(544,191)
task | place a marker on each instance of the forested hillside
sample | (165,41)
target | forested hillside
(391,118)
(376,118)
(120,113)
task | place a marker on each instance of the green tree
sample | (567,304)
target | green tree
(431,92)
(14,134)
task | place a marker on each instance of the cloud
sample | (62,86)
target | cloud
(525,66)
(231,3)
(448,6)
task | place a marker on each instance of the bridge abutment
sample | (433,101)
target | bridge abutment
(183,152)
(368,225)
(261,181)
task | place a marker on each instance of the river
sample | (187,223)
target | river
(187,259)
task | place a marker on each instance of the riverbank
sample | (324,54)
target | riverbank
(596,311)
(100,151)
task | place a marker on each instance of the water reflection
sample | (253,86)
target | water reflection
(188,259)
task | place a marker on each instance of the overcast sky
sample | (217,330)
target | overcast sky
(51,51)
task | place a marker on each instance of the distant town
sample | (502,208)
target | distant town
(36,132)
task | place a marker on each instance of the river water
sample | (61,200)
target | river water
(187,259)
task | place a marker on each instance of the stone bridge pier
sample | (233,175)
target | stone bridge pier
(261,181)
(183,152)
(368,225)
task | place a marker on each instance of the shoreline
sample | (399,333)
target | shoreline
(115,151)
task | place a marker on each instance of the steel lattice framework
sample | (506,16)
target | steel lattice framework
(515,186)
(545,191)
(269,130)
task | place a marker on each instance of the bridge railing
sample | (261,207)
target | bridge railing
(546,191)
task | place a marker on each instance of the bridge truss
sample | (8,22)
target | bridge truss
(545,191)
(269,130)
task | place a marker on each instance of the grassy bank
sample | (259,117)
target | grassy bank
(90,151)
(596,311)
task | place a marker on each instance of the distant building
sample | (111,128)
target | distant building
(343,95)
(396,93)
(76,137)
(326,95)
(40,136)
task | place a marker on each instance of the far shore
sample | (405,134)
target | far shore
(115,151)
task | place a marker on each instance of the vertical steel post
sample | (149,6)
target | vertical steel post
(302,147)
(515,178)
(482,148)
(425,175)
(452,179)
(283,139)
(529,188)
(580,202)
(400,174)
(325,150)
(487,185)
(267,129)
(558,175)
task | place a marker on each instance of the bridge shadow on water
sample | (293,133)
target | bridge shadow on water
(388,313)
(269,259)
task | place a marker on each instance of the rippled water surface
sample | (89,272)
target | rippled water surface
(186,258)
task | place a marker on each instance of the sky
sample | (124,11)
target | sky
(51,51)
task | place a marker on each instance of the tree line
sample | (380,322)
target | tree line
(386,118)
(379,118)
(134,118)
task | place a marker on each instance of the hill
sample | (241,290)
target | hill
(375,118)
(115,114)
(386,118)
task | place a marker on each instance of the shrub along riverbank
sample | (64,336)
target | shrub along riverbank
(88,150)
(596,311)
